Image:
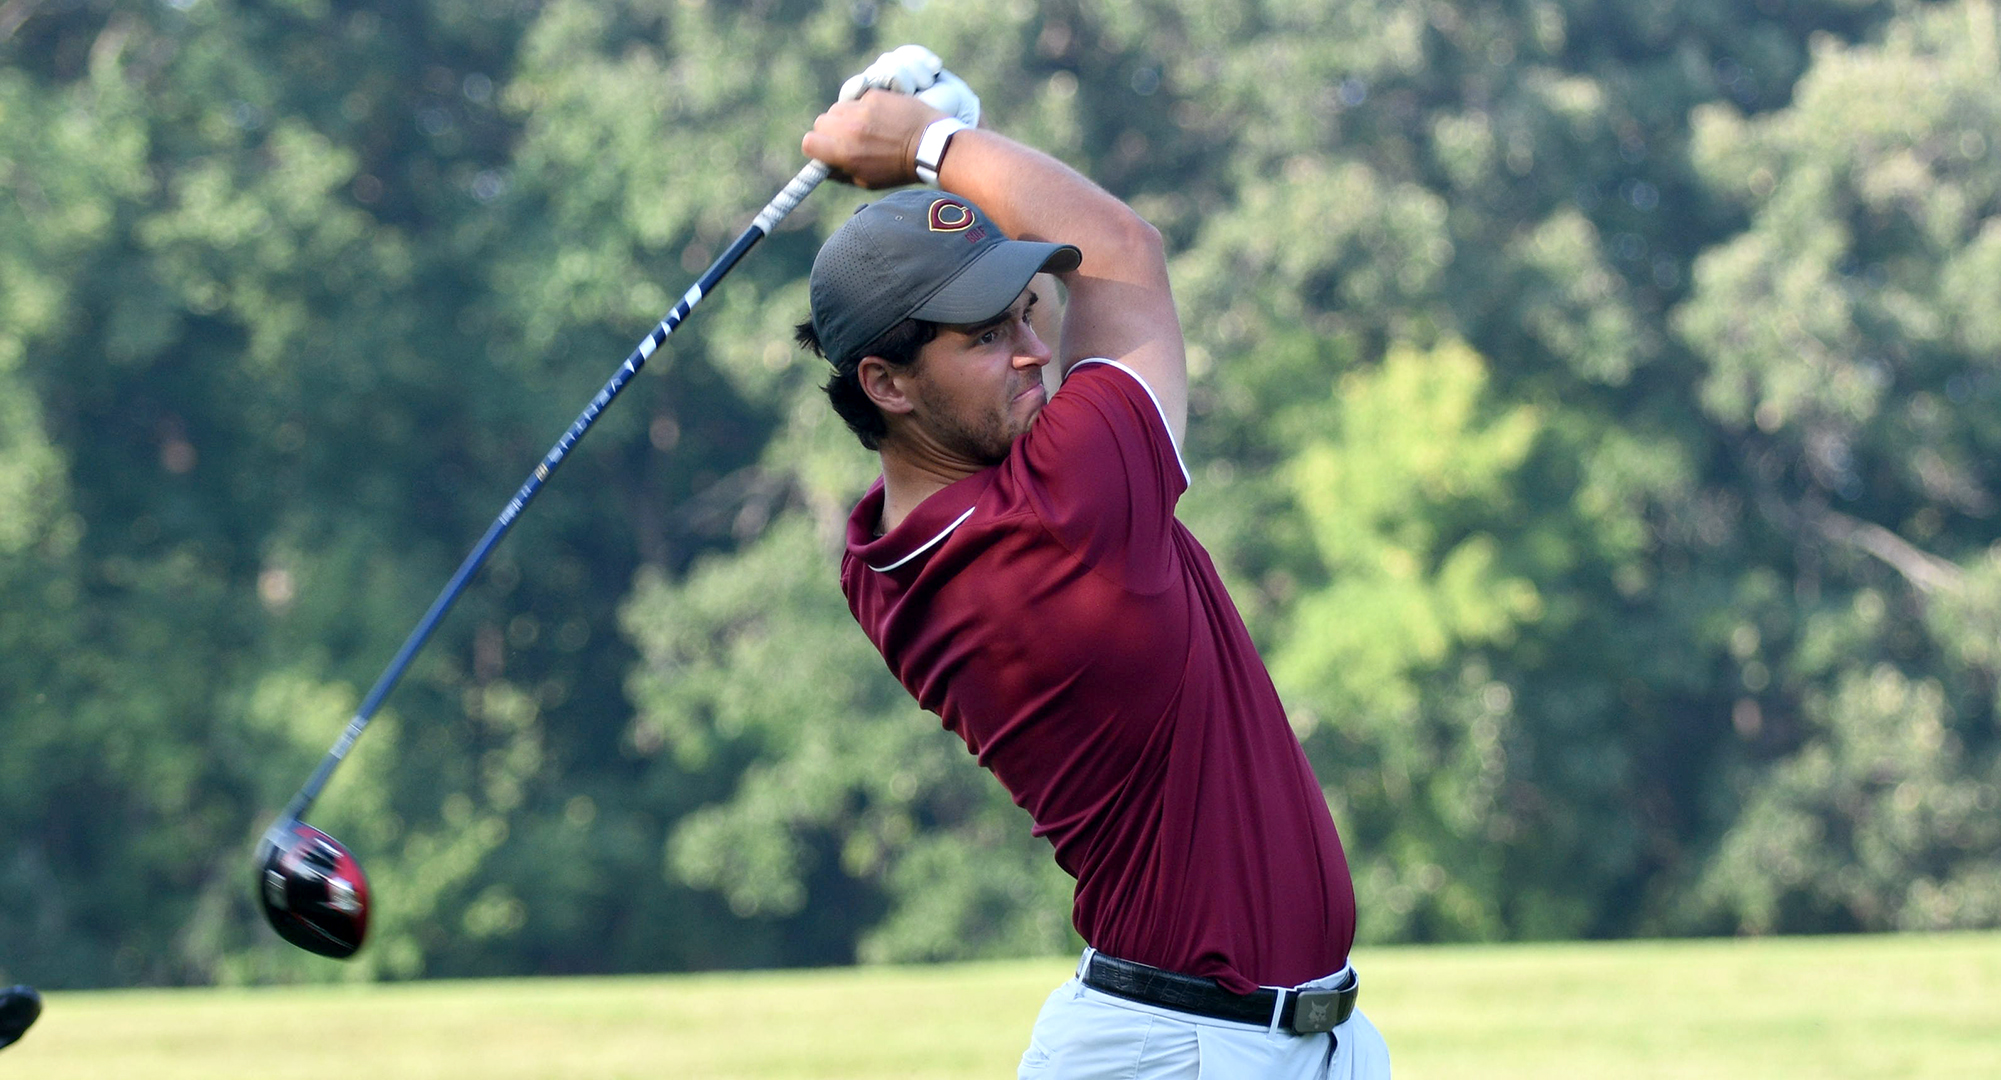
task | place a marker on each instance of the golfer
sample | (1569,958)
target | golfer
(1020,568)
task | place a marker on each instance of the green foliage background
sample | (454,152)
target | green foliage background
(1594,412)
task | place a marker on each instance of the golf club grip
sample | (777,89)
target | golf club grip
(787,199)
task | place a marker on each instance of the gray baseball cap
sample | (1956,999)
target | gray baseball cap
(919,254)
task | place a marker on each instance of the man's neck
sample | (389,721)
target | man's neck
(909,479)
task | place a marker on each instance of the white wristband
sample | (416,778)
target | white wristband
(931,146)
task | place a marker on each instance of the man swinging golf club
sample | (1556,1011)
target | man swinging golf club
(1020,568)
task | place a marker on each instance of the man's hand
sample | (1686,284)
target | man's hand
(915,70)
(903,70)
(871,142)
(870,139)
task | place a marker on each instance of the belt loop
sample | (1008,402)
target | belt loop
(1083,970)
(1277,1010)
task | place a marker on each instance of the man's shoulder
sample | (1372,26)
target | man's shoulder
(1099,369)
(1111,399)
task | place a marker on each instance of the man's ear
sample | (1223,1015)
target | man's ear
(885,384)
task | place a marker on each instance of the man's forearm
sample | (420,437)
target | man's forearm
(1033,196)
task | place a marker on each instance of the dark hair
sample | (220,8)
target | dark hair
(898,345)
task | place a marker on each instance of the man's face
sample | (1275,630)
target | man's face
(979,387)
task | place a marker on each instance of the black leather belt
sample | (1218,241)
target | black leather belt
(1305,1012)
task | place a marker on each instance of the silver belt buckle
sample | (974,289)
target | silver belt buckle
(1316,1011)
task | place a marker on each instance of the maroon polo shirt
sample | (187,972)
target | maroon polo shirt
(1055,615)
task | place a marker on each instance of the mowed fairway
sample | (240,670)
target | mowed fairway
(1903,1006)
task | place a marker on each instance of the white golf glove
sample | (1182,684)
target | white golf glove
(914,69)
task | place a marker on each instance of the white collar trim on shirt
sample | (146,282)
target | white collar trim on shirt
(928,544)
(1150,396)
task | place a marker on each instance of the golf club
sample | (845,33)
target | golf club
(311,888)
(19,1006)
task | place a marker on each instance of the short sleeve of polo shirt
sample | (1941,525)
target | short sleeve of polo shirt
(1104,475)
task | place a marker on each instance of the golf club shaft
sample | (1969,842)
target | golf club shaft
(782,204)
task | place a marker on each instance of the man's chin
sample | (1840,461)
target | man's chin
(1036,401)
(1026,425)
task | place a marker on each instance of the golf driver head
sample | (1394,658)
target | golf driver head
(19,1006)
(312,891)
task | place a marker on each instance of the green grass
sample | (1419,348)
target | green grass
(1902,1006)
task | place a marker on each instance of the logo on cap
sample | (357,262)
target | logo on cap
(949,216)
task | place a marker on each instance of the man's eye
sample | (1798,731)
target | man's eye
(990,337)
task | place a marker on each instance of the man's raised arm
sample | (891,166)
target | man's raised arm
(1120,305)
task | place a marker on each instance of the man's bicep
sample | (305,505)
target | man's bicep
(1134,323)
(1105,476)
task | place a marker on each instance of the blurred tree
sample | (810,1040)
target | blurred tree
(1396,496)
(1849,342)
(245,325)
(63,171)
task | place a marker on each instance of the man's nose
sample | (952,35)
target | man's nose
(1032,352)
